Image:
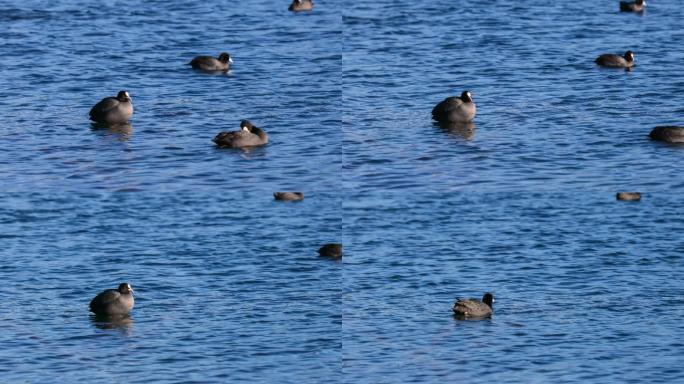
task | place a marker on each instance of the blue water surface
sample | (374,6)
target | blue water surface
(548,119)
(229,287)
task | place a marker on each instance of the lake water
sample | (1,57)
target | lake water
(229,287)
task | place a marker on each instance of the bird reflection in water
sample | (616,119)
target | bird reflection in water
(123,324)
(122,131)
(464,130)
(247,153)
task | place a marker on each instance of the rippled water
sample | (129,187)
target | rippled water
(58,60)
(548,119)
(229,287)
(587,289)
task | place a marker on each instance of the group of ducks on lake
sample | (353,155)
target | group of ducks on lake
(119,109)
(113,111)
(116,303)
(462,110)
(452,110)
(455,111)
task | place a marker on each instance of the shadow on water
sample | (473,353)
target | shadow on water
(470,319)
(465,131)
(121,131)
(122,324)
(246,153)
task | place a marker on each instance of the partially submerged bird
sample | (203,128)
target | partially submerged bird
(247,136)
(211,64)
(455,109)
(301,5)
(632,6)
(616,61)
(331,250)
(288,196)
(113,110)
(113,302)
(628,196)
(668,133)
(474,308)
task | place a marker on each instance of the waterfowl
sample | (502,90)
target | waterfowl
(474,308)
(113,302)
(668,133)
(247,136)
(455,109)
(632,6)
(301,5)
(113,110)
(616,61)
(288,196)
(211,64)
(331,250)
(628,196)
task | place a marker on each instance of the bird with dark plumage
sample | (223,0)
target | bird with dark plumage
(113,302)
(632,6)
(455,109)
(628,196)
(474,308)
(616,61)
(668,133)
(113,110)
(211,64)
(288,196)
(301,5)
(247,136)
(331,250)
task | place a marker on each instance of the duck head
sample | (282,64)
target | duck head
(629,56)
(488,299)
(246,125)
(225,58)
(123,96)
(125,289)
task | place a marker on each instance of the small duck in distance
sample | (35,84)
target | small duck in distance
(288,196)
(211,64)
(474,308)
(113,110)
(113,302)
(247,136)
(455,109)
(301,5)
(632,6)
(668,133)
(611,60)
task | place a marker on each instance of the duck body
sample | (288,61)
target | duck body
(331,250)
(288,196)
(474,308)
(301,5)
(632,6)
(113,110)
(616,61)
(212,64)
(455,109)
(668,133)
(628,196)
(113,302)
(247,136)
